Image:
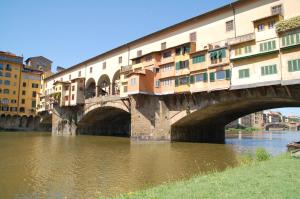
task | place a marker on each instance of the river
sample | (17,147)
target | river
(38,165)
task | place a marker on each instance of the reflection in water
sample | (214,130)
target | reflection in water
(90,166)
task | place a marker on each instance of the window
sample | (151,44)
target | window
(201,77)
(13,109)
(34,85)
(248,49)
(0,90)
(178,51)
(137,61)
(216,56)
(167,82)
(198,59)
(8,67)
(70,77)
(220,75)
(163,45)
(167,54)
(34,94)
(148,58)
(22,110)
(24,84)
(139,53)
(238,51)
(66,98)
(291,39)
(23,101)
(182,64)
(91,69)
(16,76)
(33,104)
(79,73)
(294,65)
(1,66)
(73,88)
(271,24)
(14,92)
(1,74)
(229,25)
(6,91)
(125,89)
(193,37)
(261,27)
(269,70)
(268,46)
(244,73)
(23,92)
(167,67)
(5,108)
(73,96)
(120,60)
(133,82)
(184,80)
(7,74)
(6,82)
(157,83)
(1,81)
(104,65)
(276,10)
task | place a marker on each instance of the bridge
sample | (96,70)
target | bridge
(290,126)
(198,117)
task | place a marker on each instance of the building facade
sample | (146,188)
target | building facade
(233,47)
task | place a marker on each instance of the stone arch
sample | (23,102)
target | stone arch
(90,88)
(16,121)
(110,119)
(206,121)
(104,85)
(276,125)
(23,123)
(116,83)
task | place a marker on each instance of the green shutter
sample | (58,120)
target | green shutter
(290,65)
(247,73)
(192,79)
(261,47)
(223,53)
(273,45)
(275,69)
(176,81)
(295,65)
(288,40)
(262,71)
(298,38)
(177,65)
(227,74)
(205,77)
(292,39)
(283,41)
(298,65)
(240,74)
(212,77)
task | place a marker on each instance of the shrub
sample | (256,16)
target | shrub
(287,25)
(262,154)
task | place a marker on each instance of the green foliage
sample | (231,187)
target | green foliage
(262,154)
(287,25)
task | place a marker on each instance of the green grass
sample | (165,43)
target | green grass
(247,129)
(278,177)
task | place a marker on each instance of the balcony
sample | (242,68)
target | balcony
(241,39)
(125,69)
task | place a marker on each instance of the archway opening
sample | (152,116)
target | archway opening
(90,89)
(109,121)
(116,83)
(103,86)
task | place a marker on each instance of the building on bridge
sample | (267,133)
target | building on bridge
(238,50)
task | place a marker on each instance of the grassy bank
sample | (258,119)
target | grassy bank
(275,178)
(248,129)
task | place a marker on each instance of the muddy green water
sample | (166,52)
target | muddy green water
(38,165)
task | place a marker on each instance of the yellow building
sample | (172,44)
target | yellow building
(10,74)
(30,87)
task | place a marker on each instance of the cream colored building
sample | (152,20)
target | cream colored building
(233,47)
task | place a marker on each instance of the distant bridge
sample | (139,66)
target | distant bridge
(291,126)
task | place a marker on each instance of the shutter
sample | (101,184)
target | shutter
(176,81)
(187,63)
(261,47)
(177,65)
(295,65)
(227,74)
(283,41)
(262,71)
(292,39)
(290,65)
(298,38)
(223,53)
(212,77)
(192,79)
(188,49)
(269,45)
(298,68)
(273,45)
(247,73)
(275,69)
(205,77)
(287,40)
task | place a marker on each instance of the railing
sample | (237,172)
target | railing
(241,39)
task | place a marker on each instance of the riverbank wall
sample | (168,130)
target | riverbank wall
(23,123)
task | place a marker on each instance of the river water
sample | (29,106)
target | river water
(38,165)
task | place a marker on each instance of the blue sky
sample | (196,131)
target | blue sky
(71,31)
